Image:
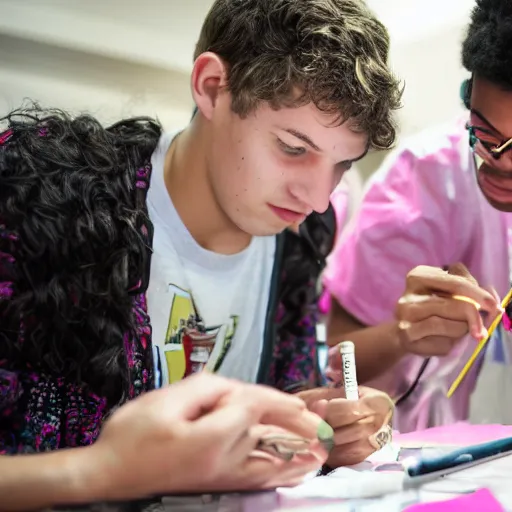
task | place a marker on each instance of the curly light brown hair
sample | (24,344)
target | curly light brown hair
(332,53)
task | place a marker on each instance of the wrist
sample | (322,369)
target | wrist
(86,481)
(43,480)
(395,337)
(76,476)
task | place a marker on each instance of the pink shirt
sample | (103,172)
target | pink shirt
(347,197)
(423,207)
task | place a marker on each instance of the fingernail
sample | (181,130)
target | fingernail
(325,435)
(484,333)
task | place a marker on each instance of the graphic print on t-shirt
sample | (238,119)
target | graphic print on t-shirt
(189,342)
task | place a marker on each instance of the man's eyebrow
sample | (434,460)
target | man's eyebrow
(303,137)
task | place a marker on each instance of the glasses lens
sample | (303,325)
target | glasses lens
(472,138)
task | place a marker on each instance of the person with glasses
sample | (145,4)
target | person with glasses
(419,276)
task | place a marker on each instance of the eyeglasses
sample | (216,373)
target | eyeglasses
(487,138)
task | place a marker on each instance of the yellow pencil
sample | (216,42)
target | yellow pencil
(480,346)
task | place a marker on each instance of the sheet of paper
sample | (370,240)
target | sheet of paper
(386,456)
(390,503)
(353,485)
(346,483)
(493,475)
(480,501)
(457,434)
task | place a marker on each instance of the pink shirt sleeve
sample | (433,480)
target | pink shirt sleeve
(405,220)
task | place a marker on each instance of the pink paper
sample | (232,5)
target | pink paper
(457,434)
(479,501)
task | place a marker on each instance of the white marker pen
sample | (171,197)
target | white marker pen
(348,363)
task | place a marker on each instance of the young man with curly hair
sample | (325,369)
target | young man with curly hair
(133,258)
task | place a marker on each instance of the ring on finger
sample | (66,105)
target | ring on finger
(463,298)
(381,438)
(283,447)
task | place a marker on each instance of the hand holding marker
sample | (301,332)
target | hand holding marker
(348,362)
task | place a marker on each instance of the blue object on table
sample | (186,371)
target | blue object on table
(428,468)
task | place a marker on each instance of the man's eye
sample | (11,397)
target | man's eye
(291,150)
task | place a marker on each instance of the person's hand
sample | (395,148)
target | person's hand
(439,307)
(360,427)
(201,435)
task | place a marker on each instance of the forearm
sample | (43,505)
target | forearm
(377,348)
(33,482)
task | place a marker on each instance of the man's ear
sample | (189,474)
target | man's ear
(209,80)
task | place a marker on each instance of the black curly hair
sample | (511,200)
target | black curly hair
(67,192)
(486,51)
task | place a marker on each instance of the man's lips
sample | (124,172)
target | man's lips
(289,216)
(498,189)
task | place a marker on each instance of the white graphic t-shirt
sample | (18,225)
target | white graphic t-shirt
(207,310)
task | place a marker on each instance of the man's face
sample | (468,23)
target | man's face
(491,124)
(273,168)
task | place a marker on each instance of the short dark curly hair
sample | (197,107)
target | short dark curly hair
(487,48)
(332,53)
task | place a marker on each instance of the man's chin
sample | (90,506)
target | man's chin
(264,229)
(497,196)
(502,207)
(267,231)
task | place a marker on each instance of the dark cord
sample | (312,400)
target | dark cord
(414,385)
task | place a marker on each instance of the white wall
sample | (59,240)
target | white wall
(122,57)
(114,58)
(426,42)
(78,81)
